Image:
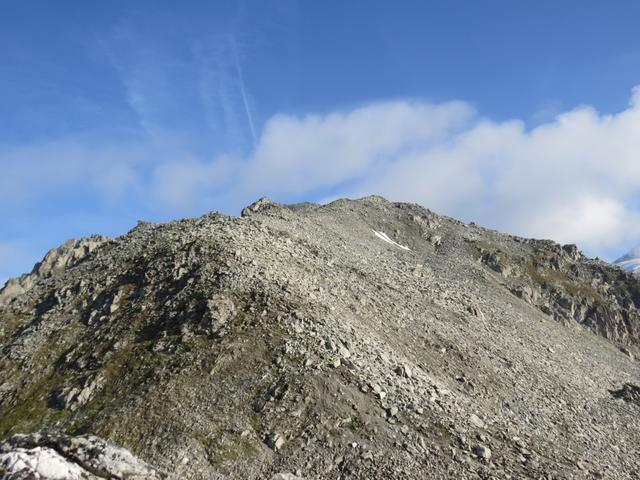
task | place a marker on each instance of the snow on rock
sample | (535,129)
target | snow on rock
(385,237)
(630,262)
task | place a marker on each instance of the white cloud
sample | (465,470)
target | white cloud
(302,154)
(575,178)
(34,171)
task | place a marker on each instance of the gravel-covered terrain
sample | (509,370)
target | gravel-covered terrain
(361,339)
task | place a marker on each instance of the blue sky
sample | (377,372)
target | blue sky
(517,115)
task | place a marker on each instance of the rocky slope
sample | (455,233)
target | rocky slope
(361,339)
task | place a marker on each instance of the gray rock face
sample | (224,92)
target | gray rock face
(260,205)
(629,393)
(54,456)
(564,284)
(66,256)
(360,339)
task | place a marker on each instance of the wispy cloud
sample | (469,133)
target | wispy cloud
(36,171)
(223,92)
(192,88)
(243,91)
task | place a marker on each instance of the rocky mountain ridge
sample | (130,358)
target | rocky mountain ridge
(65,256)
(360,339)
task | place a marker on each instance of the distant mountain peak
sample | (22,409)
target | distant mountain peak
(630,262)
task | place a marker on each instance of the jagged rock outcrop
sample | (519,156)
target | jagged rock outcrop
(65,256)
(360,339)
(259,205)
(561,282)
(55,456)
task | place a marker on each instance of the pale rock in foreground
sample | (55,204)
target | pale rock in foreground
(55,456)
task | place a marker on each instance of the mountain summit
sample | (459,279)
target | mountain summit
(359,339)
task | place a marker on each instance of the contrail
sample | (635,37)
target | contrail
(236,57)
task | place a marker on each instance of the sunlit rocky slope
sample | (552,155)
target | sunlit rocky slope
(361,339)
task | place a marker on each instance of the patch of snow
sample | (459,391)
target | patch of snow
(629,265)
(385,237)
(44,462)
(631,261)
